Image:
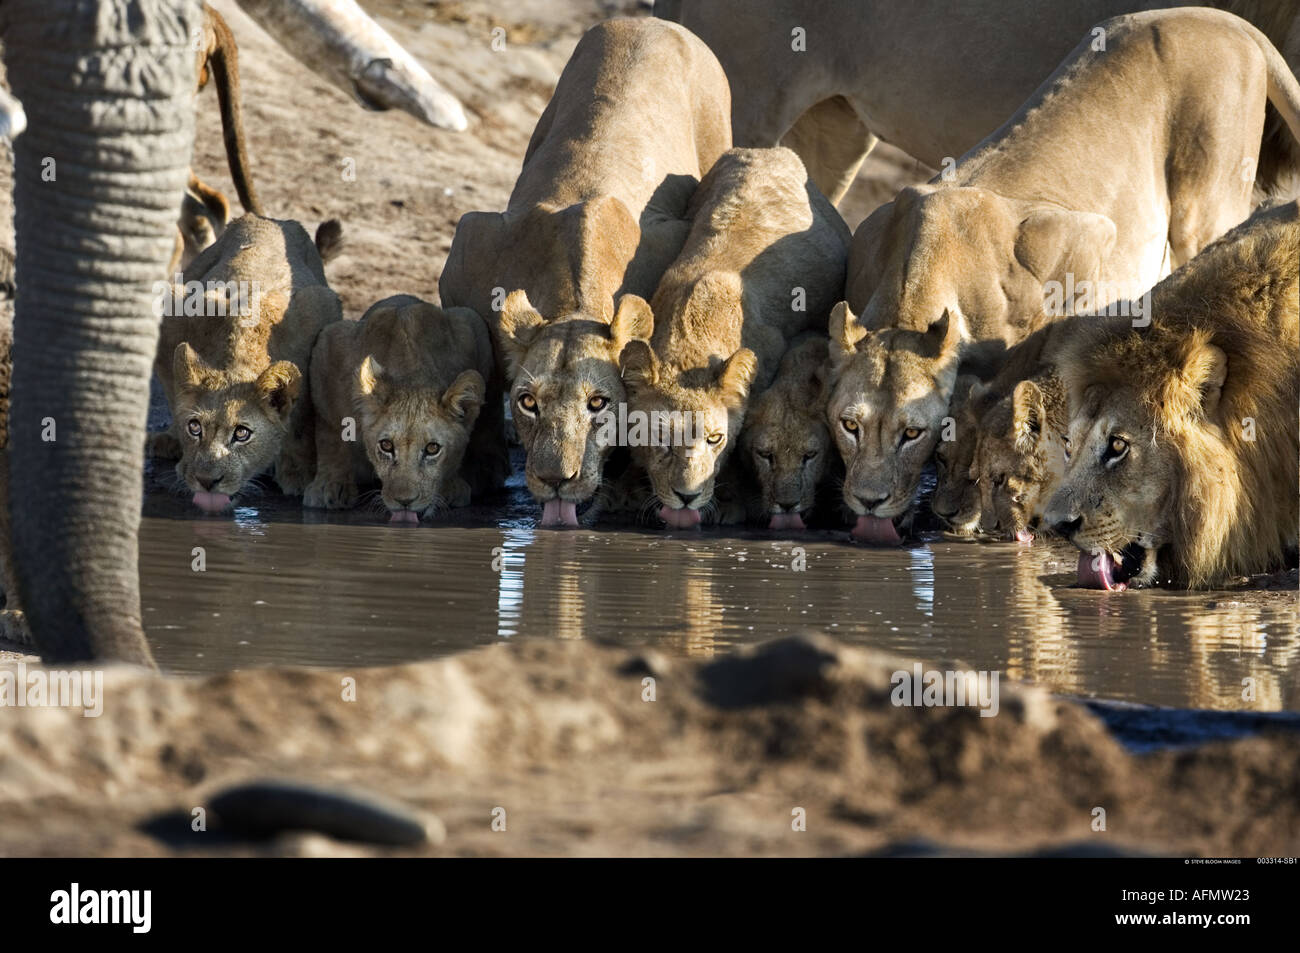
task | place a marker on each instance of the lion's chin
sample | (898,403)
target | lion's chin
(878,530)
(559,512)
(680,519)
(786,521)
(211,502)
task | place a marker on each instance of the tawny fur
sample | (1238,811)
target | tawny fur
(764,262)
(1206,396)
(413,380)
(220,373)
(640,113)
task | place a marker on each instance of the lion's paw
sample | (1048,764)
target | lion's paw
(324,493)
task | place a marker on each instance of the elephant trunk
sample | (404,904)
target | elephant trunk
(98,177)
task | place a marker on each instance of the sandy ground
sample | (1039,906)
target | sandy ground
(794,748)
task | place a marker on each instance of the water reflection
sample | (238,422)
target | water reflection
(275,587)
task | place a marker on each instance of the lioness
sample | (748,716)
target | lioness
(402,396)
(640,113)
(1049,204)
(233,354)
(933,79)
(785,442)
(1184,438)
(764,261)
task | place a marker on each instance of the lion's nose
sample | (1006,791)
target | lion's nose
(209,483)
(787,505)
(687,498)
(1067,528)
(406,503)
(870,504)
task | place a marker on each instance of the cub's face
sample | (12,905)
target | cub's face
(415,437)
(229,432)
(787,452)
(956,497)
(1114,501)
(1018,461)
(692,428)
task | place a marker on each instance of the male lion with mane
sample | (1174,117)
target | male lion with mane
(1184,441)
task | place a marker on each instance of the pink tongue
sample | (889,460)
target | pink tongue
(873,529)
(405,517)
(211,502)
(1024,536)
(559,512)
(1098,572)
(786,521)
(679,519)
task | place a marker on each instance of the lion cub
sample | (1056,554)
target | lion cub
(764,261)
(400,400)
(233,353)
(785,442)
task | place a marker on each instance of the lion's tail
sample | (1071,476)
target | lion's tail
(225,69)
(1283,89)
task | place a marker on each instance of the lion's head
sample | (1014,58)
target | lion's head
(890,391)
(956,498)
(1183,444)
(785,441)
(565,376)
(693,419)
(1018,460)
(415,435)
(230,429)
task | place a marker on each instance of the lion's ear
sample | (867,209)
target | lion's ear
(278,386)
(516,327)
(188,368)
(639,365)
(632,321)
(1028,411)
(1206,371)
(736,376)
(943,336)
(845,333)
(1052,243)
(465,396)
(372,381)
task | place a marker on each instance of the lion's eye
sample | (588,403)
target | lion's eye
(241,434)
(597,404)
(432,449)
(715,439)
(1116,449)
(386,446)
(764,455)
(809,455)
(911,433)
(194,427)
(849,424)
(528,403)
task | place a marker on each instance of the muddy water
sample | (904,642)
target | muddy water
(282,587)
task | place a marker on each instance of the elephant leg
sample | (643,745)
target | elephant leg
(98,176)
(832,142)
